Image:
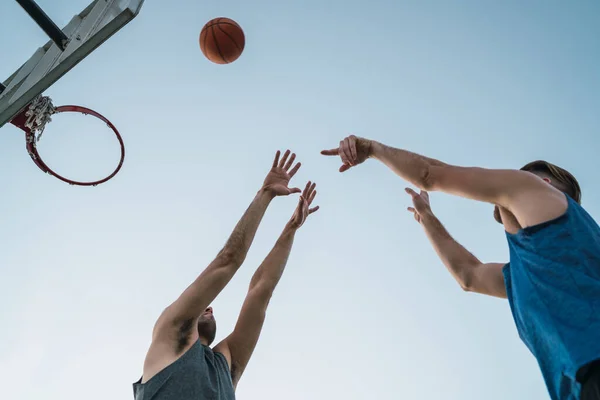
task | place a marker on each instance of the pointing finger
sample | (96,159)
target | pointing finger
(332,152)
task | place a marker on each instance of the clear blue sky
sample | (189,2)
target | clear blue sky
(365,310)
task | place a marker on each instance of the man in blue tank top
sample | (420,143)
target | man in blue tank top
(552,281)
(180,364)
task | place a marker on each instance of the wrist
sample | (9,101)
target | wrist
(289,230)
(427,217)
(375,149)
(265,193)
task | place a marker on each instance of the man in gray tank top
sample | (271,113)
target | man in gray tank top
(180,364)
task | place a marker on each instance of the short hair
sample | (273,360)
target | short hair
(562,178)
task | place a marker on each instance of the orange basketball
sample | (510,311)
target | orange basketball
(222,40)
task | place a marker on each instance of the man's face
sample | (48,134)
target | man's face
(207,326)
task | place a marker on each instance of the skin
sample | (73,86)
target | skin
(523,200)
(185,321)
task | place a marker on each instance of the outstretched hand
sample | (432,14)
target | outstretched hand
(421,205)
(303,210)
(353,150)
(279,176)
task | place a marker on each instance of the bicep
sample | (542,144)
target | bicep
(240,344)
(494,186)
(528,197)
(487,279)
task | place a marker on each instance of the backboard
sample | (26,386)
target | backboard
(67,47)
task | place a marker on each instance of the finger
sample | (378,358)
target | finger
(348,152)
(345,150)
(311,187)
(411,209)
(295,190)
(306,188)
(345,167)
(353,151)
(411,192)
(301,207)
(284,159)
(294,170)
(290,162)
(424,194)
(343,154)
(312,210)
(312,197)
(276,159)
(332,152)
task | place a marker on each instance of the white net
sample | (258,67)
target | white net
(38,115)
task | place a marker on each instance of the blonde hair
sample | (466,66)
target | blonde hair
(562,178)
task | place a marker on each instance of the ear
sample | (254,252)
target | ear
(547,180)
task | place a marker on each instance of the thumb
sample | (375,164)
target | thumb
(345,168)
(295,190)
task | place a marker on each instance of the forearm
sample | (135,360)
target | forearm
(215,277)
(239,242)
(408,165)
(458,260)
(269,273)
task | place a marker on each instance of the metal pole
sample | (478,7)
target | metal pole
(44,22)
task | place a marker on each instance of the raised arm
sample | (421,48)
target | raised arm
(525,195)
(470,273)
(186,310)
(239,345)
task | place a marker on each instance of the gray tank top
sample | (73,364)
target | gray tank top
(199,374)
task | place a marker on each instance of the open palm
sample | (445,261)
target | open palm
(279,176)
(303,210)
(421,205)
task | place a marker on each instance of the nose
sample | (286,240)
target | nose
(209,309)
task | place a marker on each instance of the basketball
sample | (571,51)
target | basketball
(222,40)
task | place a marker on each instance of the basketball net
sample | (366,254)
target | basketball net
(38,115)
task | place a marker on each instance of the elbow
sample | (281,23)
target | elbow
(466,281)
(427,178)
(228,257)
(262,294)
(465,286)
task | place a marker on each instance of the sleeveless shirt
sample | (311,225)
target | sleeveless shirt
(199,374)
(553,287)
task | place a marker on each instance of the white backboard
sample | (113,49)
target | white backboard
(86,31)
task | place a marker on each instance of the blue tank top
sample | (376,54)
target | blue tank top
(199,374)
(553,286)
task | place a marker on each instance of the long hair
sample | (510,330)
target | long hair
(561,177)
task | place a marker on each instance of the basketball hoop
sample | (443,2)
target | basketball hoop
(33,121)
